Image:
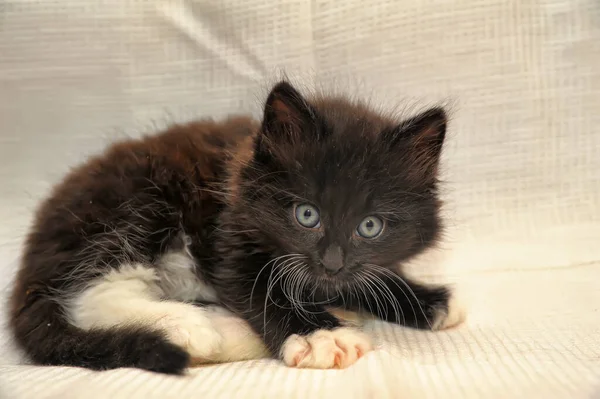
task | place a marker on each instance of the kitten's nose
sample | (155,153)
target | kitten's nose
(333,260)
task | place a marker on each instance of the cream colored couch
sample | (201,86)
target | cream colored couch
(522,164)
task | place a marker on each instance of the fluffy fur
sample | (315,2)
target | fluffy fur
(129,252)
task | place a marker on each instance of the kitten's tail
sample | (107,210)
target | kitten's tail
(49,339)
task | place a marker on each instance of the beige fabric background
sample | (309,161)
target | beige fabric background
(522,165)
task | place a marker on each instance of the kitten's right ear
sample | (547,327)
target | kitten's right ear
(285,111)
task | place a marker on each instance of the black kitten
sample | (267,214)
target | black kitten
(315,208)
(333,200)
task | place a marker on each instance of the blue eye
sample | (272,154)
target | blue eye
(370,227)
(308,216)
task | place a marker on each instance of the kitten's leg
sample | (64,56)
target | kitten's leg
(398,299)
(306,336)
(130,296)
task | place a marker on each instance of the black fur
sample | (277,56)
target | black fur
(351,163)
(232,187)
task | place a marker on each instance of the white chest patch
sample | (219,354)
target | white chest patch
(178,279)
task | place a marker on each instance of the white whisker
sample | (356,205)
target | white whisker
(263,268)
(367,284)
(394,277)
(271,284)
(390,295)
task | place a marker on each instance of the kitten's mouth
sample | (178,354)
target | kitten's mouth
(334,280)
(333,275)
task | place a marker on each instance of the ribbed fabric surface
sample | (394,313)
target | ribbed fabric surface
(522,165)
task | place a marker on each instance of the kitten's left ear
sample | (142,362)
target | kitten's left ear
(424,134)
(285,111)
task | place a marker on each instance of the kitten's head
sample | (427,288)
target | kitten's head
(339,189)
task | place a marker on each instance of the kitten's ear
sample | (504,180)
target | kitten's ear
(424,134)
(285,110)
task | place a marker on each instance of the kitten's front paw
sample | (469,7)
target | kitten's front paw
(451,315)
(190,328)
(326,349)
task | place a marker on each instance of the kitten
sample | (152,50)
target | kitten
(276,222)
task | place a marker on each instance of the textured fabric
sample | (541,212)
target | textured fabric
(522,164)
(530,334)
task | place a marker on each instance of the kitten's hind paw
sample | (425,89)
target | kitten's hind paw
(326,349)
(190,328)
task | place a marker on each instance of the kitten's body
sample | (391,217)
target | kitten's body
(200,213)
(115,240)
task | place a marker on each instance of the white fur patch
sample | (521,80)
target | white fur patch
(455,315)
(178,280)
(131,296)
(326,349)
(154,297)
